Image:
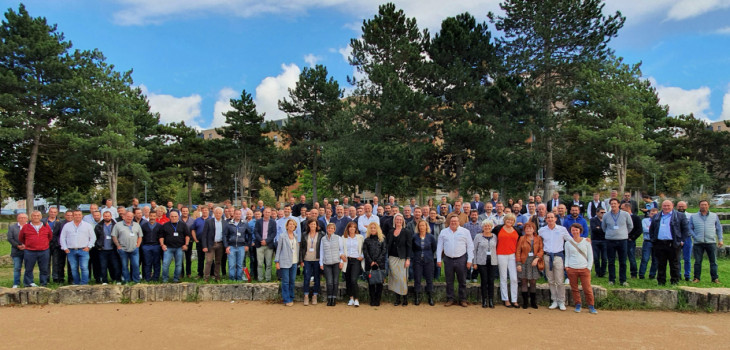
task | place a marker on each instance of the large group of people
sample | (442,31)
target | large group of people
(515,241)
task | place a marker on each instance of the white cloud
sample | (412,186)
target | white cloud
(222,105)
(429,13)
(726,105)
(692,8)
(311,59)
(725,30)
(272,89)
(346,52)
(174,109)
(681,101)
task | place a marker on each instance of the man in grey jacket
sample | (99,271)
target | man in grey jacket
(706,230)
(17,248)
(617,224)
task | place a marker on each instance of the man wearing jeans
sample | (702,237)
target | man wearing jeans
(617,224)
(127,237)
(77,238)
(36,237)
(212,241)
(174,241)
(687,247)
(235,241)
(18,248)
(553,241)
(456,248)
(598,243)
(646,248)
(706,230)
(634,234)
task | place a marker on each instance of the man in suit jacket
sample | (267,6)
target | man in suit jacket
(554,202)
(264,236)
(58,256)
(668,231)
(477,205)
(576,201)
(16,252)
(212,242)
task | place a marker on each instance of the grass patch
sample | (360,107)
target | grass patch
(4,247)
(125,300)
(192,297)
(613,302)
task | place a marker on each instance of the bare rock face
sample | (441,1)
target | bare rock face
(89,294)
(661,298)
(267,291)
(225,292)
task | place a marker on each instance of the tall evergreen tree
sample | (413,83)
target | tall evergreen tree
(393,115)
(311,108)
(35,87)
(546,41)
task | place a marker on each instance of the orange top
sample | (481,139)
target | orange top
(507,242)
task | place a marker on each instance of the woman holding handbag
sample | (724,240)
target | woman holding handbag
(529,253)
(578,263)
(374,252)
(399,242)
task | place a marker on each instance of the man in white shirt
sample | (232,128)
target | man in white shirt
(457,248)
(364,220)
(554,237)
(77,238)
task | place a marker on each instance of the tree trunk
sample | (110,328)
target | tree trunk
(190,189)
(621,167)
(30,179)
(112,169)
(378,185)
(314,178)
(459,172)
(548,181)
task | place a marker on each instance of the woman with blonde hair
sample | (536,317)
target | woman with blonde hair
(353,262)
(423,249)
(399,242)
(485,261)
(374,252)
(506,247)
(287,254)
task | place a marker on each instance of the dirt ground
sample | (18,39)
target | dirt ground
(259,325)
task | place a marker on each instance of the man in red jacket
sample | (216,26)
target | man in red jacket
(36,237)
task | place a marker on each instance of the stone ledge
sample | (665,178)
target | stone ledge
(711,299)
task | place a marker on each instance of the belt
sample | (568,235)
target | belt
(77,248)
(553,255)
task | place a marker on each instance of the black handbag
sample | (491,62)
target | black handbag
(376,276)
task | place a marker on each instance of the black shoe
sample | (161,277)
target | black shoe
(641,277)
(484,303)
(491,303)
(397,300)
(405,300)
(524,300)
(533,300)
(686,279)
(329,301)
(652,277)
(430,300)
(417,300)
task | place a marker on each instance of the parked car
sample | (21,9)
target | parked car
(85,207)
(721,199)
(7,212)
(20,211)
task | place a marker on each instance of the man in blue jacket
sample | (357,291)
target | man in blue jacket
(668,231)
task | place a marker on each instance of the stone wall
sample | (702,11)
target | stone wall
(709,299)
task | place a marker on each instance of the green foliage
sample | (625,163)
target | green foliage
(392,117)
(306,187)
(267,195)
(311,107)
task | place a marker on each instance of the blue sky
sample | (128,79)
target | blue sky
(192,56)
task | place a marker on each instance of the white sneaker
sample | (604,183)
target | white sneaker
(311,279)
(33,285)
(104,284)
(357,303)
(351,302)
(15,286)
(553,306)
(567,282)
(119,283)
(625,284)
(561,306)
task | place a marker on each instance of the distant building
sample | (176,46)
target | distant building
(719,126)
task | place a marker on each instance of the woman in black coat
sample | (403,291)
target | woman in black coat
(373,250)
